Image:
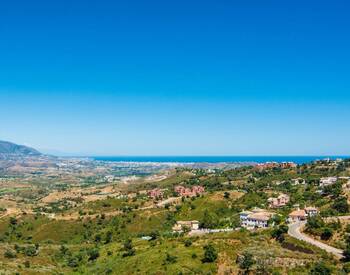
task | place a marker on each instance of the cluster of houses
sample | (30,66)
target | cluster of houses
(260,218)
(256,218)
(180,190)
(280,201)
(288,164)
(189,192)
(155,193)
(270,165)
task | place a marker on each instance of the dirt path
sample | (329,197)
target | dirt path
(11,212)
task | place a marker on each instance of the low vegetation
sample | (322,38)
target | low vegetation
(131,232)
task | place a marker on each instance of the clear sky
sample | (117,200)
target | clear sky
(179,77)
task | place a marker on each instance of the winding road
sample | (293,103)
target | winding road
(295,231)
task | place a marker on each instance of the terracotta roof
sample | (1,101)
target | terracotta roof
(298,213)
(258,210)
(263,216)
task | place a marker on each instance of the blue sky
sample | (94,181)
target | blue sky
(176,78)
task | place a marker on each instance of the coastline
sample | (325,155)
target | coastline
(213,159)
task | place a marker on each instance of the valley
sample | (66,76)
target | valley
(81,216)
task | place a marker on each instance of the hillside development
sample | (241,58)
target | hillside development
(84,218)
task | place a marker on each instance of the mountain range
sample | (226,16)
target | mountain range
(9,148)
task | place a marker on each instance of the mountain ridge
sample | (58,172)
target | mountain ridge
(10,148)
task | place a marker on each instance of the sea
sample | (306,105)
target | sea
(215,159)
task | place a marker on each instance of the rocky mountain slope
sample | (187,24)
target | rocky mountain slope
(9,148)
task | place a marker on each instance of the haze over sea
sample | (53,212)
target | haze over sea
(214,159)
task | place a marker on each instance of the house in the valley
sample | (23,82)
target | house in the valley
(328,181)
(189,192)
(257,218)
(311,211)
(182,226)
(298,181)
(280,201)
(155,193)
(297,216)
(302,214)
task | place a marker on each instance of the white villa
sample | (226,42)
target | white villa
(311,211)
(328,181)
(257,218)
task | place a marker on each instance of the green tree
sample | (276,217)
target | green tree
(129,249)
(9,254)
(210,254)
(170,259)
(98,238)
(13,221)
(334,190)
(246,261)
(108,237)
(346,268)
(341,205)
(346,252)
(209,220)
(279,232)
(30,251)
(93,254)
(320,268)
(154,235)
(64,250)
(73,262)
(326,234)
(188,242)
(314,225)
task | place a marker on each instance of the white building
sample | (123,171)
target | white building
(297,215)
(298,181)
(302,215)
(328,181)
(180,226)
(311,211)
(257,218)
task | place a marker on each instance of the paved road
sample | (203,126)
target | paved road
(294,231)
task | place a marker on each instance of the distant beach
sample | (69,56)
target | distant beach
(215,159)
